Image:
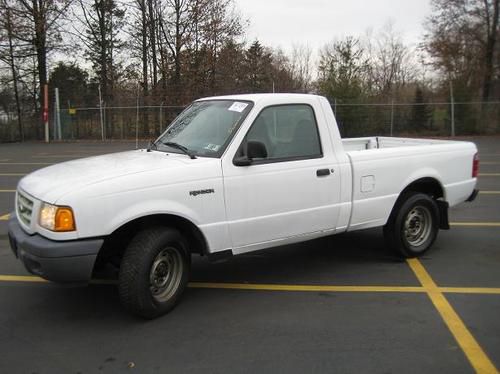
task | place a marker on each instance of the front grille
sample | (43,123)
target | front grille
(24,208)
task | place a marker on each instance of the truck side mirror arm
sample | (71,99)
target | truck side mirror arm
(242,161)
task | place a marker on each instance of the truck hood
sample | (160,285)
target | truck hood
(51,183)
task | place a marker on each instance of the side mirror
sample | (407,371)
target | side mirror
(254,150)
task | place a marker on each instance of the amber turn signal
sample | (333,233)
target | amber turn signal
(64,220)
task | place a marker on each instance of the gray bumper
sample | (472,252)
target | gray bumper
(65,262)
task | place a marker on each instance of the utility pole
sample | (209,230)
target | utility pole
(58,116)
(46,111)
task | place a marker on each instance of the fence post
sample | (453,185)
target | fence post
(392,116)
(137,121)
(452,102)
(161,117)
(100,113)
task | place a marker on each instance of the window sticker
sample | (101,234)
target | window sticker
(212,147)
(238,107)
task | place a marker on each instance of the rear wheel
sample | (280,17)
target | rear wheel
(154,272)
(413,225)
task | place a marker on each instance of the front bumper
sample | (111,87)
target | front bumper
(64,262)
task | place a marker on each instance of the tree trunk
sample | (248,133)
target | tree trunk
(14,75)
(152,37)
(41,52)
(490,52)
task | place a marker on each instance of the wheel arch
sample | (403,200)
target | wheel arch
(428,185)
(431,187)
(116,243)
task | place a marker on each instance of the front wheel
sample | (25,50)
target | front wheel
(154,272)
(413,225)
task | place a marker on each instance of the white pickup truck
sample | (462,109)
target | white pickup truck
(230,175)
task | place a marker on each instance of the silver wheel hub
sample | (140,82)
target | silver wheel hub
(165,274)
(418,226)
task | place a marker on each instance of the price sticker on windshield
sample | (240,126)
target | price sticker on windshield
(237,107)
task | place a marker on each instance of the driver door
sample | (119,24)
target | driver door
(290,190)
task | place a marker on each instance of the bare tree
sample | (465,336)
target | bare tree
(301,66)
(392,64)
(41,28)
(463,40)
(102,21)
(9,53)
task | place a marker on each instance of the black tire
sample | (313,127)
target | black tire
(154,272)
(413,225)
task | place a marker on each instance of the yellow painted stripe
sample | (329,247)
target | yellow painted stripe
(475,354)
(303,288)
(249,286)
(286,287)
(21,278)
(7,190)
(5,217)
(471,290)
(475,224)
(489,192)
(489,163)
(12,174)
(489,174)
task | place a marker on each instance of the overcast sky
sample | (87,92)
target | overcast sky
(280,23)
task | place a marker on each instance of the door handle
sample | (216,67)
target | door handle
(322,172)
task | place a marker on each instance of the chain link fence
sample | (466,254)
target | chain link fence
(146,122)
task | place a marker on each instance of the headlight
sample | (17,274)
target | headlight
(57,218)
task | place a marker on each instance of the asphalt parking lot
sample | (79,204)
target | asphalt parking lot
(340,304)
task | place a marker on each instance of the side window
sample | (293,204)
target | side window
(287,132)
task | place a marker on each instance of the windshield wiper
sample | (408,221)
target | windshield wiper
(181,148)
(152,145)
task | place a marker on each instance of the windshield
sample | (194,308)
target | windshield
(205,127)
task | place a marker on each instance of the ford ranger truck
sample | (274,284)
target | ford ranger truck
(231,175)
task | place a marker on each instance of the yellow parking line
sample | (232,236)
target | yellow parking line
(489,174)
(7,190)
(303,288)
(11,174)
(471,290)
(21,278)
(288,287)
(475,224)
(249,286)
(489,163)
(471,348)
(5,217)
(489,192)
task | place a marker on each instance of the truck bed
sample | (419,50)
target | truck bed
(379,164)
(377,142)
